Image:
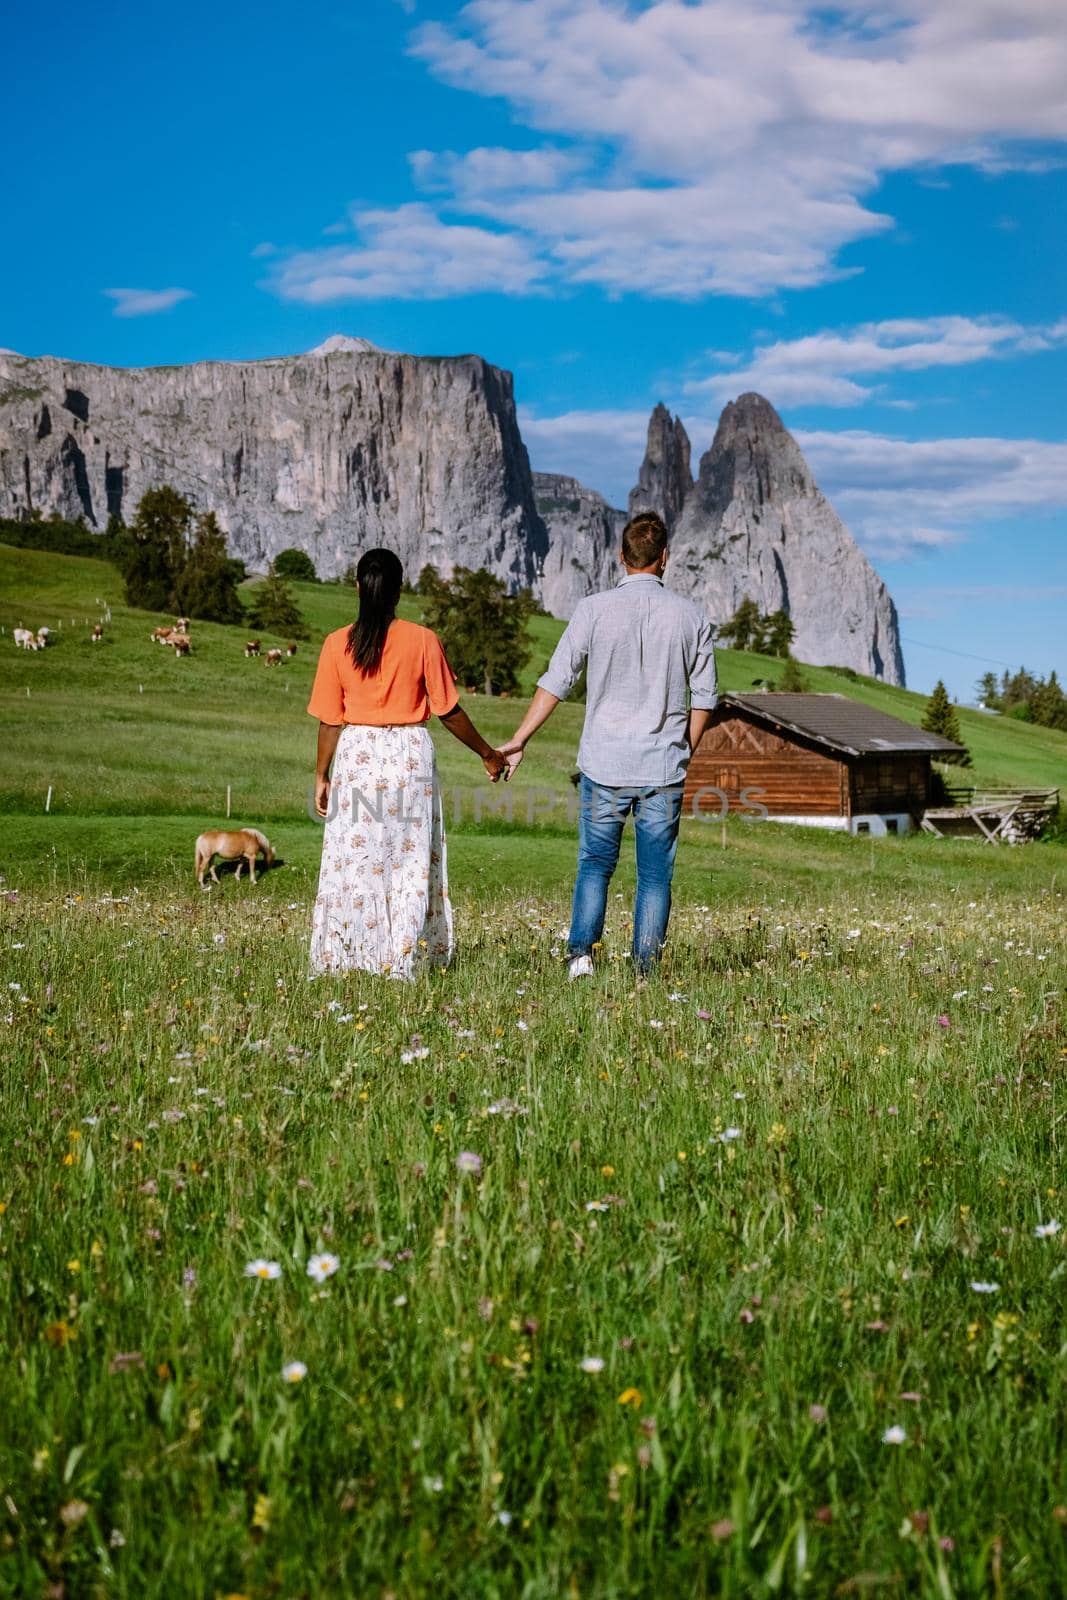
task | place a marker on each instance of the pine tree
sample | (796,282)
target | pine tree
(987,691)
(745,628)
(157,548)
(793,680)
(779,633)
(1049,704)
(940,717)
(206,587)
(482,627)
(274,609)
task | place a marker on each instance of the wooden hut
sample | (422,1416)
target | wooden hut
(820,759)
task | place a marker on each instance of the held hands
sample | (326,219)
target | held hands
(513,752)
(496,766)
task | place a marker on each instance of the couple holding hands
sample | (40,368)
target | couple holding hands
(382,904)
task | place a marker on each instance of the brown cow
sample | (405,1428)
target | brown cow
(162,635)
(182,644)
(252,647)
(290,651)
(98,632)
(273,658)
(244,844)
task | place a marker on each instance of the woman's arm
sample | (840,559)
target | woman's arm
(329,733)
(462,728)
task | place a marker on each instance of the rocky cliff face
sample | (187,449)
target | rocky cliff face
(585,534)
(333,451)
(665,479)
(756,523)
(350,446)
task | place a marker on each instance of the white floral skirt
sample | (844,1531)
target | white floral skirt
(383,903)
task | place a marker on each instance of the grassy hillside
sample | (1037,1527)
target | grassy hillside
(125,727)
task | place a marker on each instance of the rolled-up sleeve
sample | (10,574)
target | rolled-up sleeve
(327,697)
(438,676)
(569,656)
(703,680)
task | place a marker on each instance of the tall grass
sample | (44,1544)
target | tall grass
(721,1251)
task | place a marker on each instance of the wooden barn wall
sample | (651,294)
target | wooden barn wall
(891,783)
(797,779)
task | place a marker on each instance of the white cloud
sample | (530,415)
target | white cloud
(146,302)
(821,368)
(409,253)
(900,496)
(264,249)
(488,171)
(602,449)
(737,139)
(713,146)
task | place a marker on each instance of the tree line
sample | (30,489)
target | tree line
(1025,696)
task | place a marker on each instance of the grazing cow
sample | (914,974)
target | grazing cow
(42,638)
(290,651)
(244,844)
(182,624)
(182,644)
(98,632)
(25,639)
(162,635)
(252,647)
(273,658)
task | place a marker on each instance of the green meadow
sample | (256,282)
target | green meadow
(749,1282)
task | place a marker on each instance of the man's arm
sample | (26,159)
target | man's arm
(699,718)
(554,685)
(540,709)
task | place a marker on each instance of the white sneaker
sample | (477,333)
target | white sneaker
(581,967)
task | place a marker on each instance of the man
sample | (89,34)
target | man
(643,648)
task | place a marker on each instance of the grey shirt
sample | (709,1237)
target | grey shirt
(643,647)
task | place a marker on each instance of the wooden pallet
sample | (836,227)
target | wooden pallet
(1000,816)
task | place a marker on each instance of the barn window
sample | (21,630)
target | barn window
(891,825)
(863,827)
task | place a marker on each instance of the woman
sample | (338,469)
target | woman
(383,900)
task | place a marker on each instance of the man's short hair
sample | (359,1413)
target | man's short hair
(644,539)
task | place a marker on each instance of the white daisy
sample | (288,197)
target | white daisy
(263,1269)
(321,1267)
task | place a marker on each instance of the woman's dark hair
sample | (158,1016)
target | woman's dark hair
(380,577)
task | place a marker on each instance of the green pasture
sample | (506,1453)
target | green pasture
(746,1283)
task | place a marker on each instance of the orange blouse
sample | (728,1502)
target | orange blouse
(413,680)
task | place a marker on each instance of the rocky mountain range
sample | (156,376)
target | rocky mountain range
(332,451)
(349,446)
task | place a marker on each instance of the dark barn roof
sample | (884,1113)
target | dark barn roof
(838,722)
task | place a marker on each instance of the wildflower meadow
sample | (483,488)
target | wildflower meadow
(747,1282)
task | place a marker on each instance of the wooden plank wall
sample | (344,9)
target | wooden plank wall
(797,779)
(891,783)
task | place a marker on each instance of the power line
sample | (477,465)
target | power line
(990,661)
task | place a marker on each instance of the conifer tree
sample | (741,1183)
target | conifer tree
(275,610)
(206,586)
(793,680)
(481,626)
(940,717)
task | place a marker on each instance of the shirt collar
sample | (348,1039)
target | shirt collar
(638,577)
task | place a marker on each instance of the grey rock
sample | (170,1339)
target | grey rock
(331,452)
(584,537)
(665,479)
(756,523)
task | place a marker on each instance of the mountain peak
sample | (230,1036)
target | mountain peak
(665,478)
(344,344)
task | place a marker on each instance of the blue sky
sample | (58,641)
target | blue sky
(856,209)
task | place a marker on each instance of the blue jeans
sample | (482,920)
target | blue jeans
(602,813)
